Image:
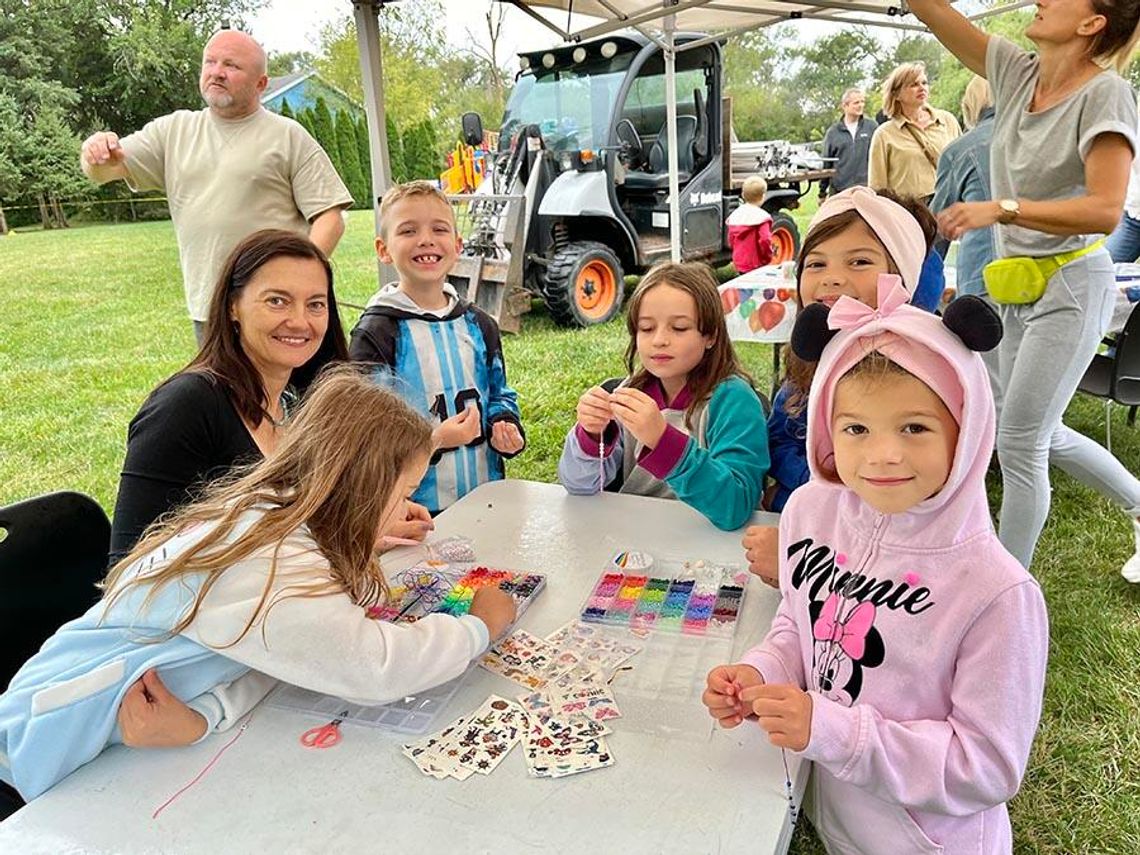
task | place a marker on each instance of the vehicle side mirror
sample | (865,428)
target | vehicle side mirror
(472,129)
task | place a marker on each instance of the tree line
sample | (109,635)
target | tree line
(70,67)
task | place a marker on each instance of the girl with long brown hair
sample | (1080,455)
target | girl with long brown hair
(686,423)
(273,570)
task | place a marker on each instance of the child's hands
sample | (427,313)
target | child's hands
(494,607)
(594,410)
(458,430)
(416,524)
(762,549)
(638,413)
(722,695)
(506,438)
(151,717)
(784,711)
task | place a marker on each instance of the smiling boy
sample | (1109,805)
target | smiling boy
(443,354)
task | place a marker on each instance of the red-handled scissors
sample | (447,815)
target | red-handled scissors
(325,736)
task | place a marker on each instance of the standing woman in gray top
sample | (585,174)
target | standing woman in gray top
(1064,138)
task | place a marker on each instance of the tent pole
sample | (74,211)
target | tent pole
(671,125)
(372,75)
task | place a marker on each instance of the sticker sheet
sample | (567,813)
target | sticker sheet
(523,658)
(476,743)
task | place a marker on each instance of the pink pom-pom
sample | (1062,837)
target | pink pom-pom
(841,558)
(911,579)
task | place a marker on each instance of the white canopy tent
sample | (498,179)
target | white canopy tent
(657,20)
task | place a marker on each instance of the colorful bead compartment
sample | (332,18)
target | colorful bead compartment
(700,603)
(522,586)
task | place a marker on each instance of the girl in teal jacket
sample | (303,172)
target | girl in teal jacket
(686,423)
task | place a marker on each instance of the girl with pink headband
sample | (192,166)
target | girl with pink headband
(907,656)
(854,237)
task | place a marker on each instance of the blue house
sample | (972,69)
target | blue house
(300,91)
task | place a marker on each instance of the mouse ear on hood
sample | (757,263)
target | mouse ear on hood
(811,333)
(975,322)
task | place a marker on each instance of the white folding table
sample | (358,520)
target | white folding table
(268,794)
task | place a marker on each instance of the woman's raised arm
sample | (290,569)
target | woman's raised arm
(956,33)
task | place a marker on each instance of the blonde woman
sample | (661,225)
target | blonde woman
(273,571)
(905,149)
(1064,139)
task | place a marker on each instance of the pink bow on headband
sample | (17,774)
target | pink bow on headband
(849,313)
(850,633)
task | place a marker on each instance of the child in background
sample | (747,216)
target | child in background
(750,227)
(440,352)
(687,423)
(921,642)
(273,571)
(855,236)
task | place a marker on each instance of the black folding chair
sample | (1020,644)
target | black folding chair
(53,550)
(1116,376)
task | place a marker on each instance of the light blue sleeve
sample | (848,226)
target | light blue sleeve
(578,470)
(726,480)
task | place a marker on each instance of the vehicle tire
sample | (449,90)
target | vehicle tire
(785,238)
(584,284)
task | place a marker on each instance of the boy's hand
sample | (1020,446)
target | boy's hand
(151,717)
(594,411)
(415,525)
(494,607)
(506,438)
(762,549)
(638,413)
(458,430)
(722,695)
(784,711)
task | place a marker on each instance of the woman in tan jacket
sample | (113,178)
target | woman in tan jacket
(905,149)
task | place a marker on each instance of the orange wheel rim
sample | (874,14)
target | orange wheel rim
(785,245)
(595,289)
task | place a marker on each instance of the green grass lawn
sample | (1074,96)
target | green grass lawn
(94,318)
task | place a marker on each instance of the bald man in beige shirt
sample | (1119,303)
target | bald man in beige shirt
(228,170)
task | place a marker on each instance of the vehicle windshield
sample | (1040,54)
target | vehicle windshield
(571,106)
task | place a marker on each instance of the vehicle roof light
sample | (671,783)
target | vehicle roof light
(587,155)
(524,62)
(548,60)
(609,49)
(579,54)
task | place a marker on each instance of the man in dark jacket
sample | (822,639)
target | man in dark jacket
(848,145)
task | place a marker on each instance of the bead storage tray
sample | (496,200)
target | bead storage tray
(414,714)
(686,612)
(693,597)
(425,588)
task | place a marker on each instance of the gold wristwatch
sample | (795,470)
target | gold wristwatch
(1010,209)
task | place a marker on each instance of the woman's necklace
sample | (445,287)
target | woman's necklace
(287,401)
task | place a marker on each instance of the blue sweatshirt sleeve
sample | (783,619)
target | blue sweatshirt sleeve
(787,441)
(578,466)
(725,481)
(502,404)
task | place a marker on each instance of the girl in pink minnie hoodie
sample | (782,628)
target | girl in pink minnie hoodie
(907,657)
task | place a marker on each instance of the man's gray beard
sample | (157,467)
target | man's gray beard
(224,101)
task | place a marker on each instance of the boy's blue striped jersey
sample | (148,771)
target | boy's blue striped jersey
(441,365)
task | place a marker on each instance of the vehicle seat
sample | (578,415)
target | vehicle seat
(657,178)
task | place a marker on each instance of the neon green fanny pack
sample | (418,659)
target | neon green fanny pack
(1022,279)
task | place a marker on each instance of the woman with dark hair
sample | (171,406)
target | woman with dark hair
(273,325)
(1053,202)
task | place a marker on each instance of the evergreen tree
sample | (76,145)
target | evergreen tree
(325,134)
(350,158)
(395,150)
(286,110)
(420,155)
(305,119)
(364,155)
